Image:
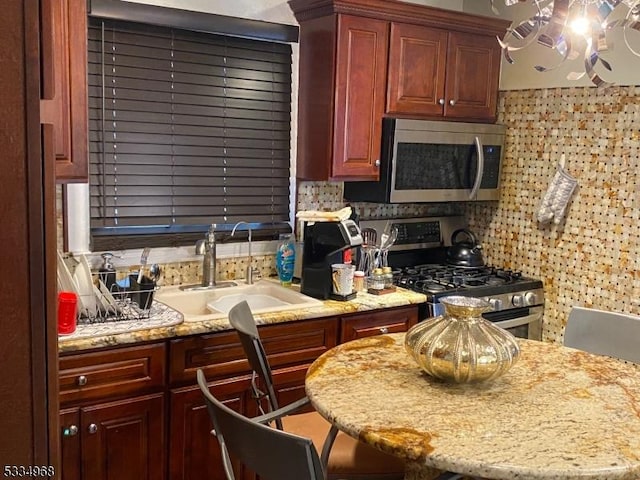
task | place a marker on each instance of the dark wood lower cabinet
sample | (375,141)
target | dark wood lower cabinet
(194,453)
(368,324)
(122,440)
(70,444)
(136,412)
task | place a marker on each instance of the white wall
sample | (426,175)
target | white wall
(522,75)
(267,10)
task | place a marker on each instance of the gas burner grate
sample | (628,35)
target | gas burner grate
(434,278)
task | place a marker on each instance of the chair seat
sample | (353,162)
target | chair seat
(349,457)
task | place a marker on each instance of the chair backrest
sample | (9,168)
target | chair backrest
(241,318)
(605,333)
(271,453)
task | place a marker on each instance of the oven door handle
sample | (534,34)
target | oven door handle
(479,171)
(516,322)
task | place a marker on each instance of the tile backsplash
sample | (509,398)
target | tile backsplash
(329,196)
(588,259)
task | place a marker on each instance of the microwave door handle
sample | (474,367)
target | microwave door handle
(479,171)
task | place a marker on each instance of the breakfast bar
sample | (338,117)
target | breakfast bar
(559,413)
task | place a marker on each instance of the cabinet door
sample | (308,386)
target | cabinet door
(124,440)
(386,321)
(64,62)
(288,384)
(361,75)
(194,451)
(473,71)
(417,62)
(70,444)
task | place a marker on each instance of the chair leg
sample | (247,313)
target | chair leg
(326,447)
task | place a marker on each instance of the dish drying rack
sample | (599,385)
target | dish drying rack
(118,303)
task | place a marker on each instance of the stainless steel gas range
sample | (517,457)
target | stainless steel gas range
(419,263)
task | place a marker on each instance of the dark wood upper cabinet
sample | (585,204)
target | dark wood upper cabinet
(435,73)
(64,85)
(343,68)
(363,59)
(361,72)
(473,73)
(417,62)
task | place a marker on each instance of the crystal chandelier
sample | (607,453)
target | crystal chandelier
(567,26)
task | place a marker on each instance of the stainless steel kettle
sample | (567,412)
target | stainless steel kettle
(464,253)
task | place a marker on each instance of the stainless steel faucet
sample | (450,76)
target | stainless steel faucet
(250,272)
(207,247)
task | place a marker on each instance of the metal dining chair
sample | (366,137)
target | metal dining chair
(269,452)
(605,333)
(342,456)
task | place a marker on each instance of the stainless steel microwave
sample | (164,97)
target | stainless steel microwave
(431,161)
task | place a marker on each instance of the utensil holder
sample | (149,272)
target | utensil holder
(141,292)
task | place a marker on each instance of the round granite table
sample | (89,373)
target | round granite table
(559,413)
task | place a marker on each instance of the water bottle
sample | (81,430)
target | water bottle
(285,259)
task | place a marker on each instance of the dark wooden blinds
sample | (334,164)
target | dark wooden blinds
(186,129)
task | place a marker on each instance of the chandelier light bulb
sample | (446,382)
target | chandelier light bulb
(580,26)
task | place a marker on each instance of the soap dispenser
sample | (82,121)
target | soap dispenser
(285,259)
(107,272)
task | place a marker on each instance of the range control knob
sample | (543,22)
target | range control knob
(530,298)
(518,300)
(496,304)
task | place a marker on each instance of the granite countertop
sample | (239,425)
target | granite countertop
(166,323)
(559,413)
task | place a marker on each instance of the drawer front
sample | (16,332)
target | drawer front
(381,322)
(221,354)
(112,373)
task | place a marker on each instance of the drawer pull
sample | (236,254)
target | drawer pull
(384,330)
(93,428)
(82,380)
(70,431)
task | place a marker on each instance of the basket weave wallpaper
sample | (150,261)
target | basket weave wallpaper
(591,258)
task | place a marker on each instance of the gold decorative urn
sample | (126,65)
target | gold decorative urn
(461,346)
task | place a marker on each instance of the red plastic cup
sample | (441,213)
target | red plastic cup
(67,305)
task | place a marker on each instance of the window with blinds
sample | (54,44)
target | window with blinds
(186,129)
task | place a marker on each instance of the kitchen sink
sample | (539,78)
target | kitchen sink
(263,297)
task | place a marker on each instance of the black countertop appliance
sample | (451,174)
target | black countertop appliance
(324,244)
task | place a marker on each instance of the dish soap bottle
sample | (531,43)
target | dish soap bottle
(107,273)
(285,259)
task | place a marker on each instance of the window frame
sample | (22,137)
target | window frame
(76,196)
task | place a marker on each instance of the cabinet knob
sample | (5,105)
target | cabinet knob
(377,163)
(93,428)
(70,431)
(82,380)
(452,102)
(384,330)
(441,101)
